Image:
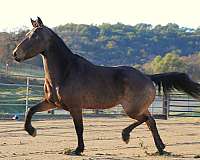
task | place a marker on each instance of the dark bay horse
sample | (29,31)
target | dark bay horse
(73,83)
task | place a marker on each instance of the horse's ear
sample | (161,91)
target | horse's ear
(39,21)
(34,23)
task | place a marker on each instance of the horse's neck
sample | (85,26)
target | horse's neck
(56,62)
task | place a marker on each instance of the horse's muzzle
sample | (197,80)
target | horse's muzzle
(15,56)
(17,59)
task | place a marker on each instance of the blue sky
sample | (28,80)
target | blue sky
(16,13)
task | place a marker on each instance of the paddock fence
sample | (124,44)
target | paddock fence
(18,93)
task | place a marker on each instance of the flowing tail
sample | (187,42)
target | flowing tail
(176,80)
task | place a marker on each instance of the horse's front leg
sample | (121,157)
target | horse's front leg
(42,106)
(76,114)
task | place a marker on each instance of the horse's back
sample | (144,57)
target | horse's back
(135,78)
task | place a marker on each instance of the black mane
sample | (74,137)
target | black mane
(60,43)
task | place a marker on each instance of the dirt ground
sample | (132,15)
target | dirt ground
(102,139)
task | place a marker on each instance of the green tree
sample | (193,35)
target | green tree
(171,62)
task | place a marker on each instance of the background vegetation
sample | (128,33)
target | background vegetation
(151,49)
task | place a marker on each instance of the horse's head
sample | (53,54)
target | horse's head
(36,41)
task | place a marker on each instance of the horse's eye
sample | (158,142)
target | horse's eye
(35,36)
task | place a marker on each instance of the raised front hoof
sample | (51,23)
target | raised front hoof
(125,137)
(31,131)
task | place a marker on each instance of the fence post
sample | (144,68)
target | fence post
(27,93)
(96,111)
(166,102)
(6,69)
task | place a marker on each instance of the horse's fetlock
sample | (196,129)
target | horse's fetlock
(79,150)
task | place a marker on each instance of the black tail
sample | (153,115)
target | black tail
(176,80)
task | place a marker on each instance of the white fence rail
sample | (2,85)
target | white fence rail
(16,98)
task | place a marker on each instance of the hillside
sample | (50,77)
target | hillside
(116,44)
(123,44)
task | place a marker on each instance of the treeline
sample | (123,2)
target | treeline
(124,44)
(121,44)
(172,62)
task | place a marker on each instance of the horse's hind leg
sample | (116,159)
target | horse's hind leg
(42,106)
(126,131)
(152,126)
(151,123)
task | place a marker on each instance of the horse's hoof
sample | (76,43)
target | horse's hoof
(31,131)
(78,151)
(125,137)
(74,153)
(34,133)
(161,151)
(70,152)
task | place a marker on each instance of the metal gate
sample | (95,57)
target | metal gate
(183,105)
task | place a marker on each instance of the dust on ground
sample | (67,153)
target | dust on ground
(102,140)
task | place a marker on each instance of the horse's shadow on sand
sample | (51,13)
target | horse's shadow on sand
(165,154)
(106,156)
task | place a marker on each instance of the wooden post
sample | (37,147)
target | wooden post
(166,102)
